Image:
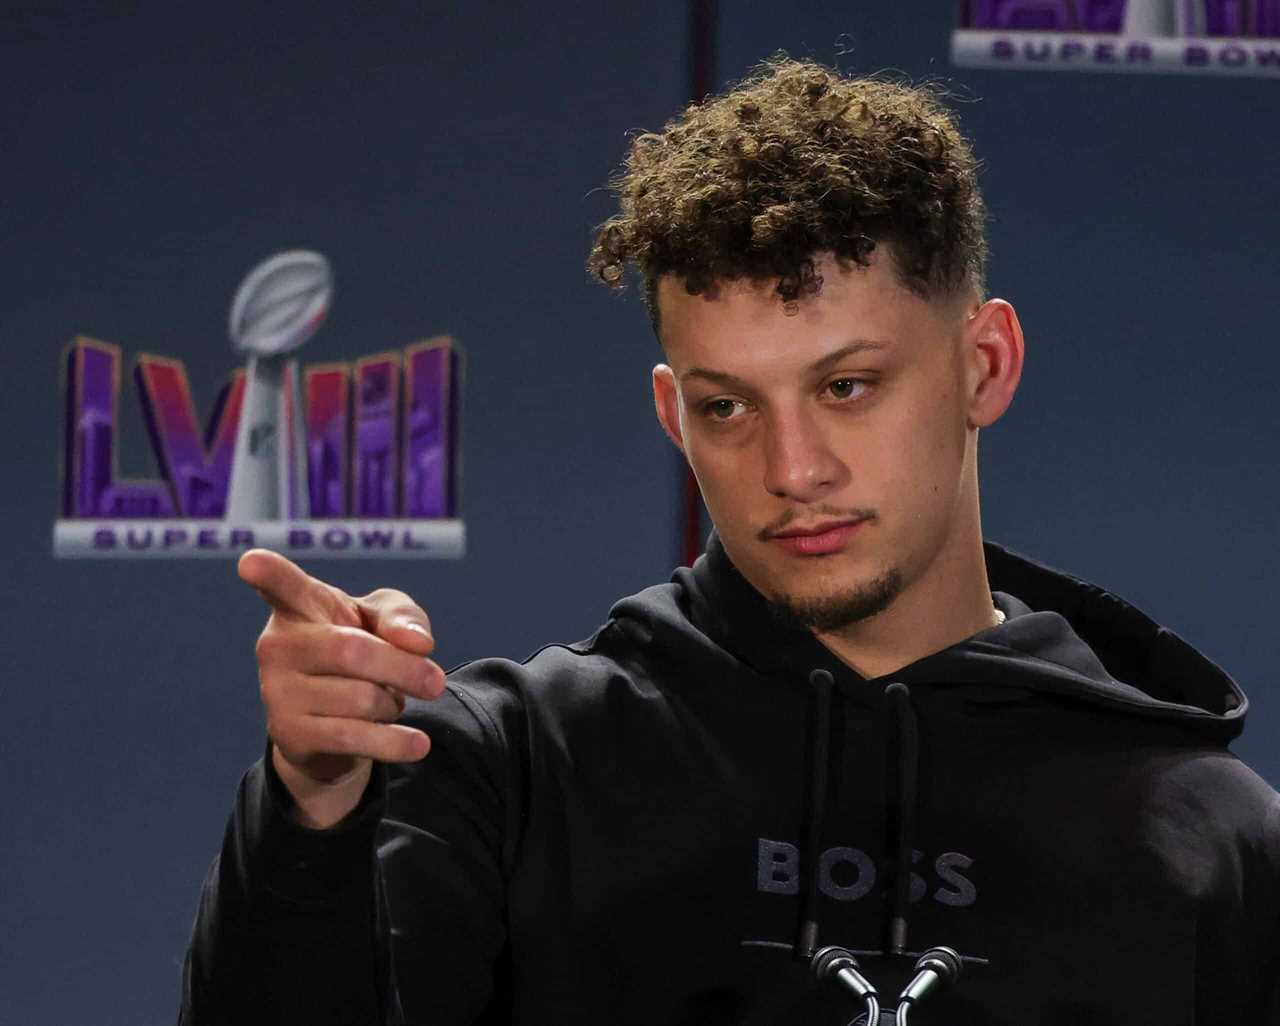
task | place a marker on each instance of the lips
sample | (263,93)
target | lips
(809,532)
(820,539)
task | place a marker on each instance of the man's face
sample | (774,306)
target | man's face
(853,409)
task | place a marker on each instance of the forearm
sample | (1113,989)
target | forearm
(286,929)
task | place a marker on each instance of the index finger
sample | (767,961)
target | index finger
(289,589)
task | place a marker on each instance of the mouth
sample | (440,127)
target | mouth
(819,539)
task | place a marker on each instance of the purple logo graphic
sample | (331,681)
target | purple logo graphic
(368,466)
(1056,15)
(1178,17)
(388,449)
(1232,37)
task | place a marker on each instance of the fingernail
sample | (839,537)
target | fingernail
(413,625)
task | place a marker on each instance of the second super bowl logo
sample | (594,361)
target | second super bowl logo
(1193,37)
(333,460)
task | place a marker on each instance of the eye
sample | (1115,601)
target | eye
(723,409)
(842,388)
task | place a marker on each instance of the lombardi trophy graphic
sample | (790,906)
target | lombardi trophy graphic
(1152,17)
(279,305)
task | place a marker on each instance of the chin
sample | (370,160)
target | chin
(826,611)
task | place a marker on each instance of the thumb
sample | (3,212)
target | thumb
(396,618)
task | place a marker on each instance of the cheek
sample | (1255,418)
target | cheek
(710,467)
(924,458)
(725,473)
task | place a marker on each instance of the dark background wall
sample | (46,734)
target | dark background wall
(449,160)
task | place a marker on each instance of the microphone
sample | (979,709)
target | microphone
(840,963)
(935,969)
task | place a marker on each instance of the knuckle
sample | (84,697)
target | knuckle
(348,650)
(274,688)
(390,601)
(277,644)
(267,646)
(279,730)
(343,607)
(390,598)
(342,736)
(371,703)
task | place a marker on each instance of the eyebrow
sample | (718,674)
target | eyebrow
(721,378)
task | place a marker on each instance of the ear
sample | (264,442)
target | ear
(993,348)
(666,401)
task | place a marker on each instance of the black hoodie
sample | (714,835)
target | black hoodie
(658,825)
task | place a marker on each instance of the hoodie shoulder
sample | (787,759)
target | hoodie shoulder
(1172,679)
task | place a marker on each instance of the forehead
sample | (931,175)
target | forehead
(745,323)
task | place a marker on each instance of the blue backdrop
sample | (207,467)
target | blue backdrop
(449,159)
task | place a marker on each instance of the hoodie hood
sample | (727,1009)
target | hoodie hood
(1062,637)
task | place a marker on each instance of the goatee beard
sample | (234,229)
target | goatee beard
(827,613)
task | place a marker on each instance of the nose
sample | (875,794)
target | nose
(799,463)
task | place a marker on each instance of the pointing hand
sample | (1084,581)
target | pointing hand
(334,672)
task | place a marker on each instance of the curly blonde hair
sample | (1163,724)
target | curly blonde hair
(793,161)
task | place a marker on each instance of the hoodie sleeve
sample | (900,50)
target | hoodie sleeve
(445,852)
(400,908)
(285,929)
(1270,979)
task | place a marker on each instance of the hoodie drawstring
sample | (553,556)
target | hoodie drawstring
(821,683)
(904,732)
(904,754)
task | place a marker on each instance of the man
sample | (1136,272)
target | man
(852,724)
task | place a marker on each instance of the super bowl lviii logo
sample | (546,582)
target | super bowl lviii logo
(1215,37)
(355,459)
